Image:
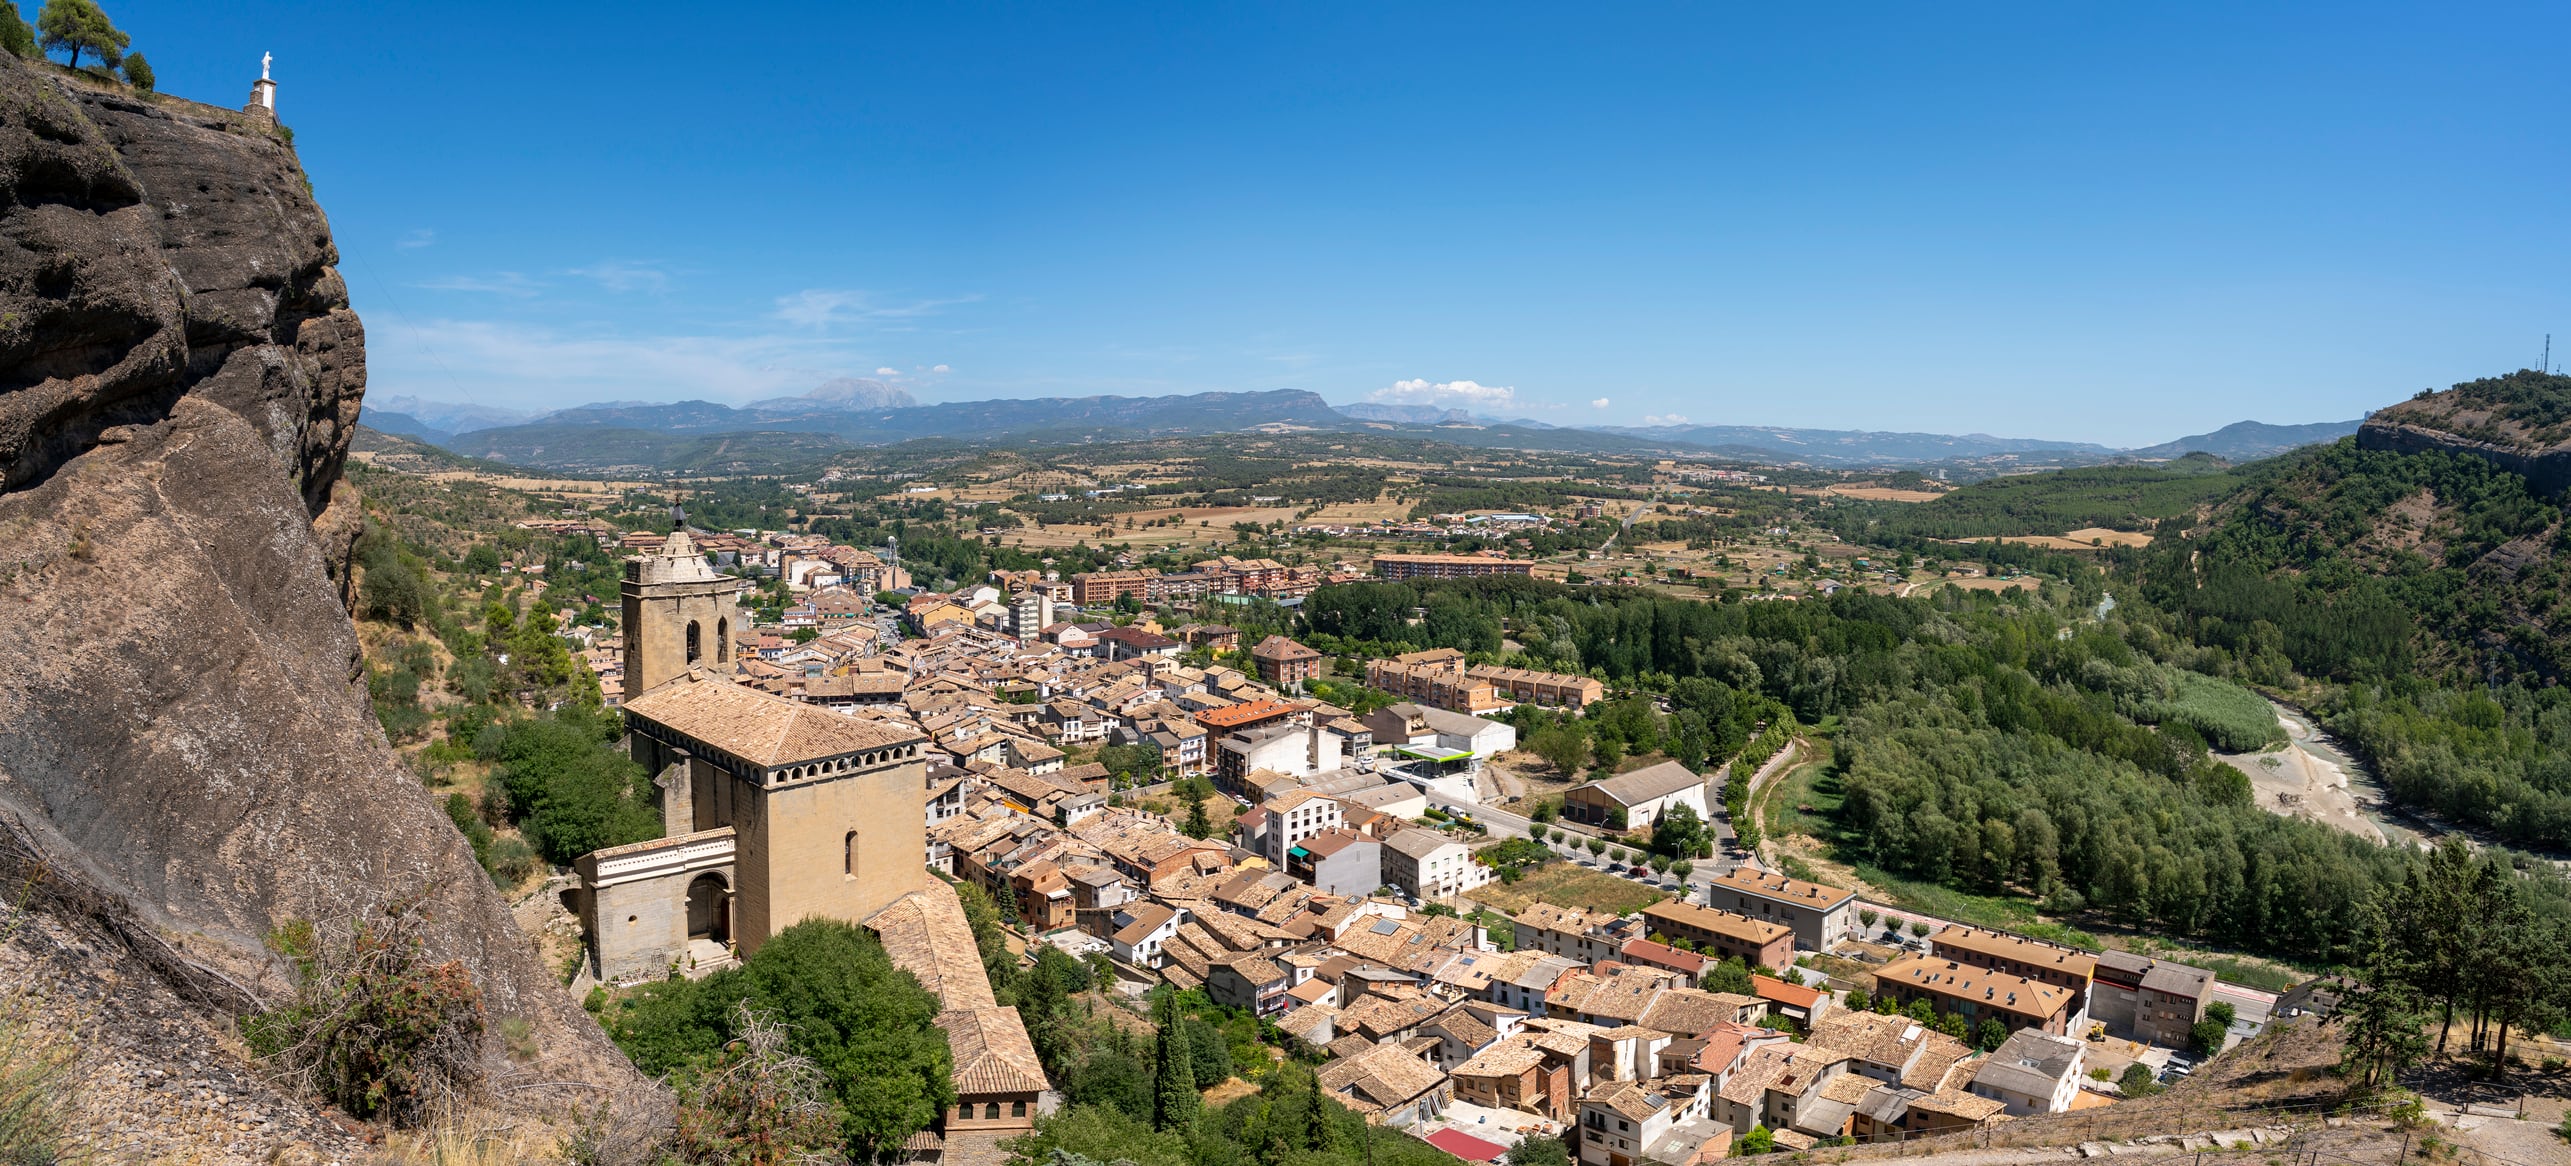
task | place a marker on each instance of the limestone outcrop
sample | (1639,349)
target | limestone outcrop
(2503,420)
(185,742)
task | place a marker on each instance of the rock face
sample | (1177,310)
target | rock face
(184,735)
(2513,422)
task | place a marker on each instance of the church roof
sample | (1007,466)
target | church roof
(764,730)
(992,1052)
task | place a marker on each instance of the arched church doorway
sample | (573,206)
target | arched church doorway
(709,908)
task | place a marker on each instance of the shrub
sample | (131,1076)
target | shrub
(138,72)
(757,1102)
(373,1026)
(38,1067)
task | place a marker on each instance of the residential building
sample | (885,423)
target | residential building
(2154,1001)
(2045,963)
(2032,1072)
(1338,861)
(1293,816)
(1627,1122)
(1550,689)
(1818,913)
(1142,928)
(1430,865)
(1444,687)
(1388,1083)
(1524,979)
(1586,936)
(1293,750)
(1631,801)
(1976,993)
(1285,663)
(1760,943)
(1398,567)
(1250,982)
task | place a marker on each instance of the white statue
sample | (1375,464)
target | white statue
(264,59)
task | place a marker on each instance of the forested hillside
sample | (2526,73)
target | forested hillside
(2053,502)
(2004,744)
(2421,595)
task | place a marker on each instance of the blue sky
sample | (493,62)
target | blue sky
(2111,223)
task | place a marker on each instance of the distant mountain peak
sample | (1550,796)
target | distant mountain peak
(853,393)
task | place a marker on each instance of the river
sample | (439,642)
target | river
(2313,778)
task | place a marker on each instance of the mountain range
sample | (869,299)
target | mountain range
(856,412)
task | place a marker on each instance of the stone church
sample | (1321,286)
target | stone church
(777,811)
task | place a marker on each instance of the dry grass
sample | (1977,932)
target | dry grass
(1566,884)
(1884,494)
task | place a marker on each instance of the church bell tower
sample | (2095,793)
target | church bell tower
(679,613)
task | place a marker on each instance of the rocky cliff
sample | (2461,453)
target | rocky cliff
(2520,422)
(186,754)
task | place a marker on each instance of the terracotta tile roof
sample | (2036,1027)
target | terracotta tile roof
(1380,1078)
(1815,896)
(2017,948)
(763,730)
(992,1052)
(1505,1060)
(1693,1011)
(1777,991)
(1996,990)
(1732,924)
(925,934)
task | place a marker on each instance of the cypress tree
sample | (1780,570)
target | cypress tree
(1174,1098)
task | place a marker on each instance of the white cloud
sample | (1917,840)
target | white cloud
(503,283)
(619,276)
(823,308)
(528,366)
(1600,403)
(417,239)
(1452,393)
(1664,419)
(888,372)
(941,368)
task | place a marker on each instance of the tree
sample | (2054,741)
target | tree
(1174,1099)
(1540,1152)
(2206,1037)
(2379,1022)
(1990,1034)
(78,26)
(1732,975)
(2221,1012)
(1565,749)
(1860,1001)
(1760,1140)
(15,37)
(1680,833)
(1198,824)
(866,1025)
(2137,1081)
(1867,916)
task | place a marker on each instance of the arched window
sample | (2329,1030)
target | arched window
(723,641)
(850,853)
(991,1111)
(1017,1109)
(694,648)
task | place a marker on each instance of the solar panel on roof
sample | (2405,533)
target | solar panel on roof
(1386,927)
